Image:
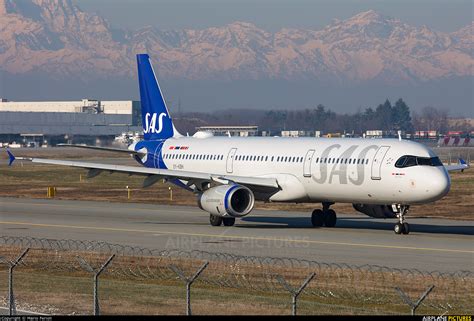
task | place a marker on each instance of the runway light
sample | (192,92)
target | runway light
(129,192)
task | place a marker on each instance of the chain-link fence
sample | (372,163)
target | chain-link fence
(336,288)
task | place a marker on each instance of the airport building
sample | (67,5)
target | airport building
(242,131)
(52,122)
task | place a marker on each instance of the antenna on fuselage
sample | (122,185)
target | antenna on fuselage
(400,135)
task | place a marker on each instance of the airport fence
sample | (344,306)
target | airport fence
(251,281)
(451,155)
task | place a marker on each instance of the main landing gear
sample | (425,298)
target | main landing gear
(218,221)
(326,216)
(402,227)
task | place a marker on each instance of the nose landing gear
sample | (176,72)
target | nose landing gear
(402,227)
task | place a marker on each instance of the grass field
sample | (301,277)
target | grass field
(52,281)
(31,181)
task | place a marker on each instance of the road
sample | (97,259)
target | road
(432,245)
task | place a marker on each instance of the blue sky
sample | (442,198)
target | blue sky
(272,15)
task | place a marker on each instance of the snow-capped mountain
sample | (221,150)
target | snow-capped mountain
(58,38)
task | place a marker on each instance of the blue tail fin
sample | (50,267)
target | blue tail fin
(11,158)
(156,120)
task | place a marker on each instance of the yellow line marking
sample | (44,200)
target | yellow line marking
(100,207)
(237,237)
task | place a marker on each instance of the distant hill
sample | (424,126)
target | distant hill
(57,38)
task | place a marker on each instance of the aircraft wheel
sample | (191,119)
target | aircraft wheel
(406,228)
(215,220)
(330,218)
(317,218)
(229,221)
(398,228)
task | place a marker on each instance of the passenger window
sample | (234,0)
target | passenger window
(272,158)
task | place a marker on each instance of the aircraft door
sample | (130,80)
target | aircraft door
(307,163)
(230,160)
(377,162)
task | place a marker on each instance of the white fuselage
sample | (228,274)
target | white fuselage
(345,170)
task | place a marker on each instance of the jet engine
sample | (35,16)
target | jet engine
(227,200)
(377,211)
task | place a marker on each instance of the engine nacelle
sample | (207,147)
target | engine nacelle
(227,200)
(377,211)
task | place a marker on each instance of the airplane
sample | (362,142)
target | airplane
(382,178)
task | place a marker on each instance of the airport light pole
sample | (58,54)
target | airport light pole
(11,267)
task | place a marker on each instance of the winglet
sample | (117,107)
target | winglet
(11,158)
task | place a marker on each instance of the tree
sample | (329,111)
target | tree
(384,115)
(401,119)
(431,118)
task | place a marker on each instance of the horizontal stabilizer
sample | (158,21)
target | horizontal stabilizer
(460,166)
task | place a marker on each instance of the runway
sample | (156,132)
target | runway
(432,245)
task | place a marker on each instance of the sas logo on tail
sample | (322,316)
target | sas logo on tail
(150,123)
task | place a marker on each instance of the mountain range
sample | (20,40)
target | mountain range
(56,38)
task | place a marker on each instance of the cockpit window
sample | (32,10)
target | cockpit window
(409,160)
(400,162)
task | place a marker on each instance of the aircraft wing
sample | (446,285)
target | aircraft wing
(154,174)
(462,165)
(105,149)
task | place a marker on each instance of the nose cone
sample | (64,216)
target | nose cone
(439,185)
